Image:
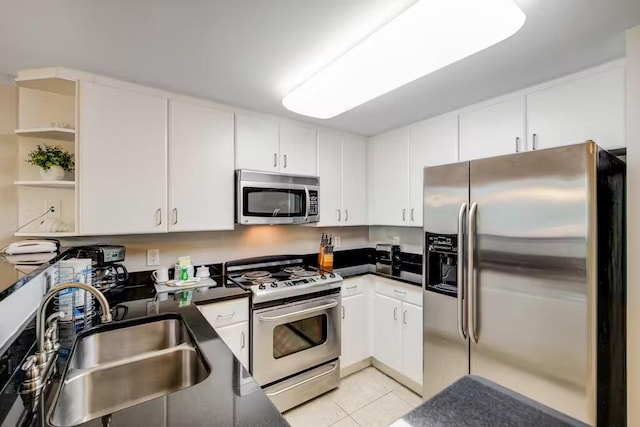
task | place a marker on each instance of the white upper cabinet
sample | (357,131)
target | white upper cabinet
(354,177)
(587,108)
(123,161)
(342,170)
(494,130)
(298,150)
(200,165)
(390,190)
(263,144)
(431,142)
(257,141)
(330,173)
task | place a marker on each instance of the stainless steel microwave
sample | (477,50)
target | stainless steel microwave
(273,198)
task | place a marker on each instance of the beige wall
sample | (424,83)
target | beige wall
(8,160)
(410,238)
(633,227)
(219,246)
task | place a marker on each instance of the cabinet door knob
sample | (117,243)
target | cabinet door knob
(275,160)
(175,216)
(339,214)
(346,215)
(534,141)
(517,144)
(285,161)
(159,217)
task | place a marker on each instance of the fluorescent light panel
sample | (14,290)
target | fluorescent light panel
(429,35)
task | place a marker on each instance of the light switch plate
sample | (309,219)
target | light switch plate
(396,240)
(153,257)
(337,241)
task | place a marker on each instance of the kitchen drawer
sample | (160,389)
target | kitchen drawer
(227,312)
(399,290)
(354,286)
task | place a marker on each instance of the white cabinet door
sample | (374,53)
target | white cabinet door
(412,341)
(330,173)
(493,131)
(353,330)
(354,185)
(257,143)
(387,338)
(123,161)
(390,178)
(432,142)
(298,150)
(200,165)
(236,337)
(587,108)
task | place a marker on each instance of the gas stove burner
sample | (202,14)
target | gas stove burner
(260,280)
(293,269)
(258,274)
(303,273)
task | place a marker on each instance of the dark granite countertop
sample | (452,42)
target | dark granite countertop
(227,397)
(474,401)
(408,277)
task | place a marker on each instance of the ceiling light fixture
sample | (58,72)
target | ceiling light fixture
(429,35)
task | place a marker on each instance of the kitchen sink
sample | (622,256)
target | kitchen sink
(117,368)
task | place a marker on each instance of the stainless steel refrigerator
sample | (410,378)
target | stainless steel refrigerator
(524,280)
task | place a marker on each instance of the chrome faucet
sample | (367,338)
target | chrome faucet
(37,368)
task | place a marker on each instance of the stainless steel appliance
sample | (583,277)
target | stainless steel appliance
(272,198)
(105,259)
(295,327)
(388,259)
(524,278)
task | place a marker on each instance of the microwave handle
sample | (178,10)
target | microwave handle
(306,213)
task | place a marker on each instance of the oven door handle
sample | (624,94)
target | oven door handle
(315,377)
(298,313)
(306,212)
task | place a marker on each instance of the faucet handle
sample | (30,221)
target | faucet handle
(30,368)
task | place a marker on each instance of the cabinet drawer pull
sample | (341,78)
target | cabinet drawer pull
(350,288)
(517,144)
(159,217)
(275,160)
(395,313)
(242,340)
(175,216)
(534,141)
(400,292)
(226,315)
(285,161)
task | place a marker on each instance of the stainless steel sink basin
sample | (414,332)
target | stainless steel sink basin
(117,344)
(108,371)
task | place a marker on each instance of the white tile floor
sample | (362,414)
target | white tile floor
(366,398)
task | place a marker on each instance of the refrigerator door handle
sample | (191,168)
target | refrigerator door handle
(471,280)
(462,327)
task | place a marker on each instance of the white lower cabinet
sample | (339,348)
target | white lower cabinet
(230,319)
(387,341)
(412,344)
(353,330)
(236,337)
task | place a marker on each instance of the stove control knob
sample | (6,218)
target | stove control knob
(323,277)
(274,285)
(262,287)
(332,275)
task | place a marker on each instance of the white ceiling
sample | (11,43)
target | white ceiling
(250,53)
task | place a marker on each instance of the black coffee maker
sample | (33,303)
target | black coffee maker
(107,272)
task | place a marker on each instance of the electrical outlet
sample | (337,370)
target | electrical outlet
(395,240)
(337,241)
(57,208)
(153,257)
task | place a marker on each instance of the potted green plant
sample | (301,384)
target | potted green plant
(52,161)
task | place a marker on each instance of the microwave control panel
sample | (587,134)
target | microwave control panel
(313,203)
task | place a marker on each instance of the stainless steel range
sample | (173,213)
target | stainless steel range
(295,326)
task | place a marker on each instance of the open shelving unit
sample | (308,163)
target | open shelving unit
(45,97)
